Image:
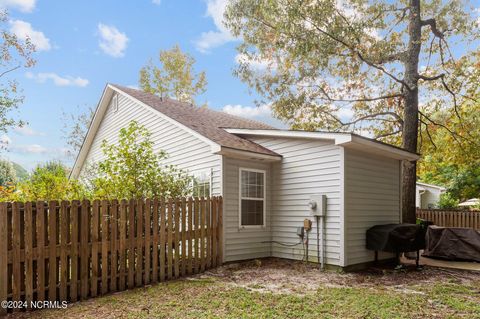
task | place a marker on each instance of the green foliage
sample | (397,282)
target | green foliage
(131,169)
(448,200)
(449,159)
(174,77)
(49,182)
(14,54)
(8,175)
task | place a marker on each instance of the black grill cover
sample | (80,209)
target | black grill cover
(396,238)
(453,243)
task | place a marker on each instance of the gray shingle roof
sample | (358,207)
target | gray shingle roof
(205,121)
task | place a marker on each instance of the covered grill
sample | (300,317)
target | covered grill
(396,238)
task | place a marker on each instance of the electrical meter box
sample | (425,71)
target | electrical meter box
(318,205)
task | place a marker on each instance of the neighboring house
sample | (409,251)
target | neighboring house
(428,195)
(470,203)
(266,176)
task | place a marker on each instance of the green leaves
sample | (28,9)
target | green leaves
(132,169)
(174,77)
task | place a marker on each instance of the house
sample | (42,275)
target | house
(266,176)
(428,195)
(470,203)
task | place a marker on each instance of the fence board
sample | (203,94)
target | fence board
(28,253)
(148,227)
(184,237)
(52,243)
(452,218)
(131,244)
(176,245)
(190,238)
(105,218)
(73,249)
(139,254)
(123,244)
(64,229)
(113,243)
(84,248)
(95,241)
(155,225)
(162,239)
(169,239)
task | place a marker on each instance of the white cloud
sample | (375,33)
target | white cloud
(255,64)
(26,130)
(29,149)
(112,41)
(212,39)
(22,5)
(24,30)
(248,111)
(157,2)
(57,79)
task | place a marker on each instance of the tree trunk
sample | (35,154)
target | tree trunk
(410,126)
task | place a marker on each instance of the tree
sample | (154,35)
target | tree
(75,129)
(131,169)
(49,182)
(8,175)
(14,55)
(322,59)
(174,77)
(20,171)
(451,161)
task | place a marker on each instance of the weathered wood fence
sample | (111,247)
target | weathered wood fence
(66,251)
(451,218)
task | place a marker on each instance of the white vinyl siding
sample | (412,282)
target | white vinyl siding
(243,242)
(184,149)
(308,167)
(372,197)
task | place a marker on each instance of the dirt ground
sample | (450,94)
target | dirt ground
(285,276)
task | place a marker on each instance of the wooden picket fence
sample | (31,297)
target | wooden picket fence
(451,218)
(69,251)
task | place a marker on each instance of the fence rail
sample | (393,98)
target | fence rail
(451,218)
(66,251)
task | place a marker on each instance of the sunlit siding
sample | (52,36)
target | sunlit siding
(372,197)
(308,167)
(184,149)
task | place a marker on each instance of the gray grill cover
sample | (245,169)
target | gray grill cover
(453,243)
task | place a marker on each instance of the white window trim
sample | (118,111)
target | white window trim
(240,170)
(209,173)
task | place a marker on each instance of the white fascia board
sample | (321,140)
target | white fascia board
(92,130)
(342,139)
(215,147)
(431,185)
(339,138)
(235,153)
(382,149)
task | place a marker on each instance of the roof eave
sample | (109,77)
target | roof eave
(242,154)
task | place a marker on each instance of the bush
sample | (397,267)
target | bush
(447,200)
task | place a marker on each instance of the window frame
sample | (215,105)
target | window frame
(209,173)
(240,197)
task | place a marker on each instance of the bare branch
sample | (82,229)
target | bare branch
(387,134)
(9,70)
(433,26)
(431,78)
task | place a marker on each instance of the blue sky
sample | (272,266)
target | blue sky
(82,45)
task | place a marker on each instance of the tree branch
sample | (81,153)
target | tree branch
(433,26)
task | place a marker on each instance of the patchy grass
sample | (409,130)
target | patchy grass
(281,289)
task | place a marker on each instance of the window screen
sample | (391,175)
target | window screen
(252,198)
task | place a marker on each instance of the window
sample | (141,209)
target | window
(201,184)
(252,197)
